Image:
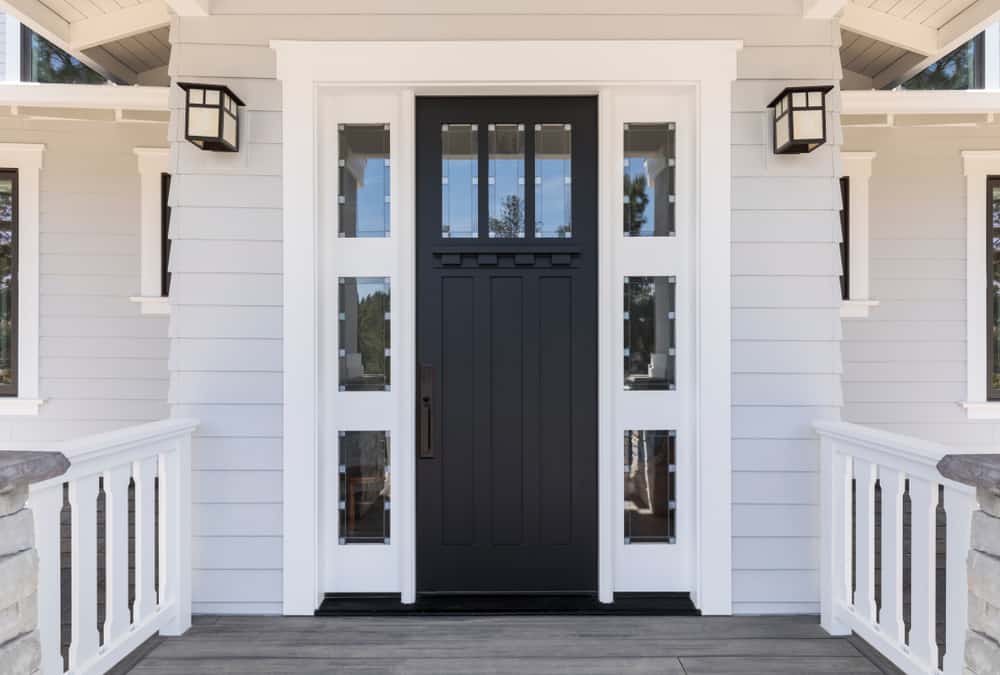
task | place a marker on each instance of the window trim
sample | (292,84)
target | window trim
(979,165)
(857,168)
(992,181)
(26,160)
(152,164)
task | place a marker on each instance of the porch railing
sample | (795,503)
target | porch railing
(879,577)
(152,462)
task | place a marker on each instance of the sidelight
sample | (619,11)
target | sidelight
(650,350)
(650,487)
(364,333)
(364,487)
(364,179)
(649,197)
(553,181)
(506,181)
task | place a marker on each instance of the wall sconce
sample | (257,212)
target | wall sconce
(213,121)
(799,119)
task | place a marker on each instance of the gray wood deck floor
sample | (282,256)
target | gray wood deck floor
(522,645)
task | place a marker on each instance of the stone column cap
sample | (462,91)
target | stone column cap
(21,467)
(982,471)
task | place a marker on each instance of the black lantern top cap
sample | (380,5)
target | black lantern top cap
(821,88)
(188,86)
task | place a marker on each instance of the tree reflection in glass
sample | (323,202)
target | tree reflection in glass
(649,180)
(8,282)
(506,180)
(364,334)
(649,333)
(994,194)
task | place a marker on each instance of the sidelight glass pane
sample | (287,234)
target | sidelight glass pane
(506,180)
(8,282)
(553,181)
(460,180)
(650,157)
(993,192)
(649,333)
(364,487)
(364,334)
(650,487)
(364,169)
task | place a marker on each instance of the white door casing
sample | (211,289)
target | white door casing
(696,76)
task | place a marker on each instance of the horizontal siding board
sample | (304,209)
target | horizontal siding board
(786,389)
(775,455)
(236,520)
(775,520)
(775,487)
(233,420)
(775,553)
(218,257)
(783,422)
(786,324)
(236,487)
(116,388)
(235,553)
(786,357)
(777,259)
(248,454)
(223,387)
(214,355)
(226,289)
(774,585)
(188,321)
(769,225)
(227,223)
(232,585)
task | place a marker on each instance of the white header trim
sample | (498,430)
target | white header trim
(153,162)
(708,68)
(27,159)
(84,96)
(979,164)
(901,102)
(858,167)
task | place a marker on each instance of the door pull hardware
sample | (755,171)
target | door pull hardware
(426,411)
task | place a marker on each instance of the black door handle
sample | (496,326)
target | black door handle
(426,411)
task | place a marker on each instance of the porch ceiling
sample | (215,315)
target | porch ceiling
(125,40)
(887,41)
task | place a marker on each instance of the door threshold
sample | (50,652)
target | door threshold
(625,604)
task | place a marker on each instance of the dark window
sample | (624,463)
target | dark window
(164,234)
(964,68)
(42,61)
(845,237)
(8,282)
(993,284)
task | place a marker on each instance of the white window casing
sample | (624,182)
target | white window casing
(153,164)
(857,166)
(12,54)
(27,160)
(979,165)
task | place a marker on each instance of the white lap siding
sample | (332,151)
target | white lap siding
(102,364)
(226,325)
(904,366)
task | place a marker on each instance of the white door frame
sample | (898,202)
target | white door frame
(705,68)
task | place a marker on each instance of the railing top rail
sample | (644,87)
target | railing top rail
(912,454)
(88,453)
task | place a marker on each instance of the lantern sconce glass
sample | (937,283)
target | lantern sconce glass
(799,119)
(213,120)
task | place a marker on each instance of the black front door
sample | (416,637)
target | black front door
(506,345)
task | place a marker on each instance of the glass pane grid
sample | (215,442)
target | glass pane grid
(650,507)
(364,505)
(650,333)
(506,181)
(553,181)
(364,170)
(649,180)
(365,320)
(459,181)
(993,194)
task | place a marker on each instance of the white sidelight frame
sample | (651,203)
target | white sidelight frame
(704,70)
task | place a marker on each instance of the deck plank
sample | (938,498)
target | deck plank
(533,644)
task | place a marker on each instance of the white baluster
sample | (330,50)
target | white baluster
(144,472)
(83,571)
(923,643)
(959,507)
(833,561)
(175,477)
(165,467)
(891,615)
(46,506)
(864,550)
(116,611)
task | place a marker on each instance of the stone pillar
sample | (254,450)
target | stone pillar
(20,651)
(982,642)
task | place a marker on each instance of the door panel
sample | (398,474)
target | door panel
(507,330)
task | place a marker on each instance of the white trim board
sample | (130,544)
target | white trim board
(858,167)
(27,159)
(704,69)
(153,162)
(978,164)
